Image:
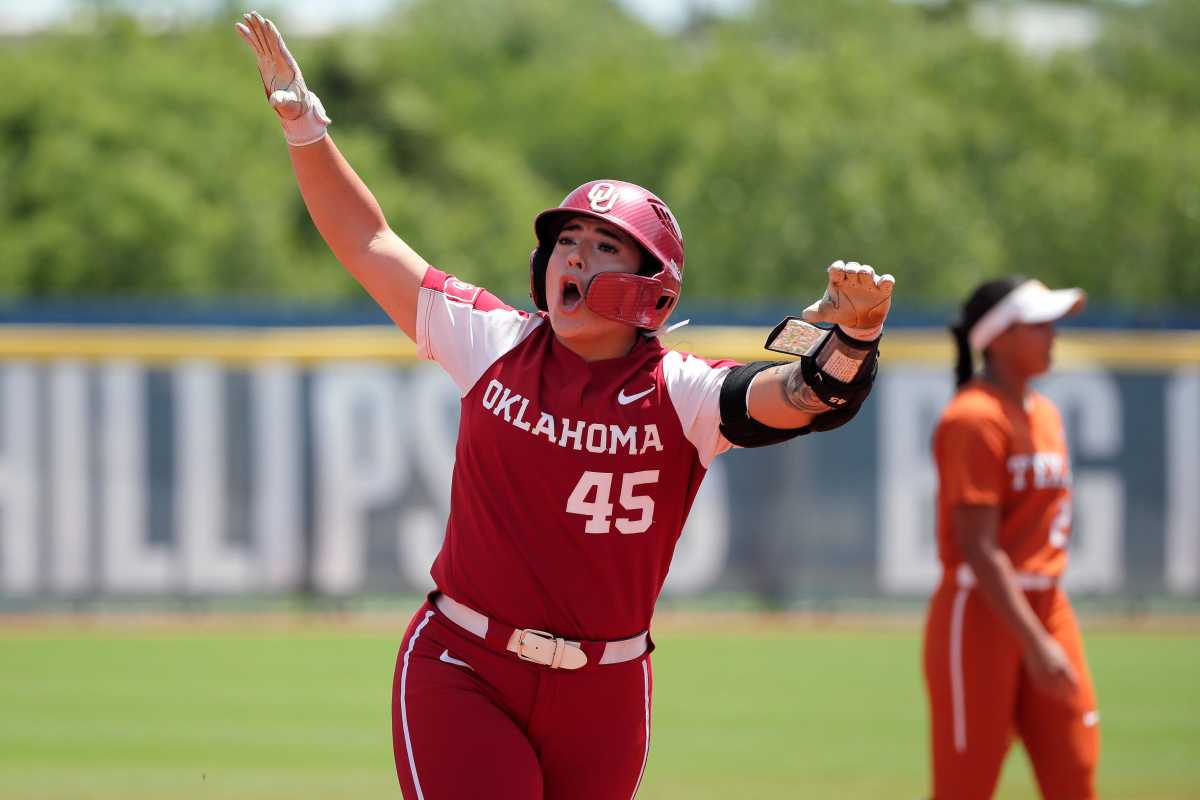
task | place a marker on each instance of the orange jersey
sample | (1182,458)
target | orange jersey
(990,451)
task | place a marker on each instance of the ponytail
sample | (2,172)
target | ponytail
(983,299)
(964,367)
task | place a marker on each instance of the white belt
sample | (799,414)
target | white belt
(539,646)
(964,576)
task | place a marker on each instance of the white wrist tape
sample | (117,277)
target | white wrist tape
(309,127)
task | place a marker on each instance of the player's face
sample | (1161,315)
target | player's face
(1026,347)
(586,247)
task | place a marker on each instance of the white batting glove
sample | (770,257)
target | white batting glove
(856,300)
(303,117)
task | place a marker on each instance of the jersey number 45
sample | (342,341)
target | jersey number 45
(598,487)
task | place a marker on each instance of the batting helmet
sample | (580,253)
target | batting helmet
(643,300)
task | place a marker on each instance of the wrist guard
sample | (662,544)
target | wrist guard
(838,369)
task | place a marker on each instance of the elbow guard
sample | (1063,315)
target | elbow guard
(736,423)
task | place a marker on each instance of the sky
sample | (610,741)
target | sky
(308,16)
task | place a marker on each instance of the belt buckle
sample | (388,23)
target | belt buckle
(535,651)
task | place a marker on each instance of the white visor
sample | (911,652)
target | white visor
(1030,302)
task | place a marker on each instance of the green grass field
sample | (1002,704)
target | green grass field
(289,711)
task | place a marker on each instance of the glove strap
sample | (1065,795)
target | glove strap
(863,334)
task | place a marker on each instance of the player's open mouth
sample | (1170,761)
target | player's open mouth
(572,295)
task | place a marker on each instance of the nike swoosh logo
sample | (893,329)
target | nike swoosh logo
(449,659)
(626,399)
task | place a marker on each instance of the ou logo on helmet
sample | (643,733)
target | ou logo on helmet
(602,197)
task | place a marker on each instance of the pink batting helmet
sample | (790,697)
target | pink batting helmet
(641,300)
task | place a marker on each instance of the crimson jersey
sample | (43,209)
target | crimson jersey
(572,480)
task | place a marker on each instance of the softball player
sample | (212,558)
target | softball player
(581,445)
(1003,650)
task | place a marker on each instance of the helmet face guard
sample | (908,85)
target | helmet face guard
(644,301)
(633,299)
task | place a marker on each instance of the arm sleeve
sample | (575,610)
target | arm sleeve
(971,453)
(694,386)
(464,328)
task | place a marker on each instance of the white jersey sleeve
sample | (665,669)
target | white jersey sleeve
(464,328)
(694,386)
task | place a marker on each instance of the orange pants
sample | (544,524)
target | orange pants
(979,696)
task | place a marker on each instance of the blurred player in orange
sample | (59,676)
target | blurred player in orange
(1003,650)
(582,443)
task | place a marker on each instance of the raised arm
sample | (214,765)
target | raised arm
(340,204)
(857,302)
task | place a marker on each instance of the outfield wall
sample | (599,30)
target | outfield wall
(175,462)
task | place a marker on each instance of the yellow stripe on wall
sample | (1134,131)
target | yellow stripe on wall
(1130,350)
(230,345)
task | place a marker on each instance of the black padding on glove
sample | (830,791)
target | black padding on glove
(736,423)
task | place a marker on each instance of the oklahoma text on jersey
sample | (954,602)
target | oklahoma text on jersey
(595,437)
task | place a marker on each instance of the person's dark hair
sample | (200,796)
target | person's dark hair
(981,301)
